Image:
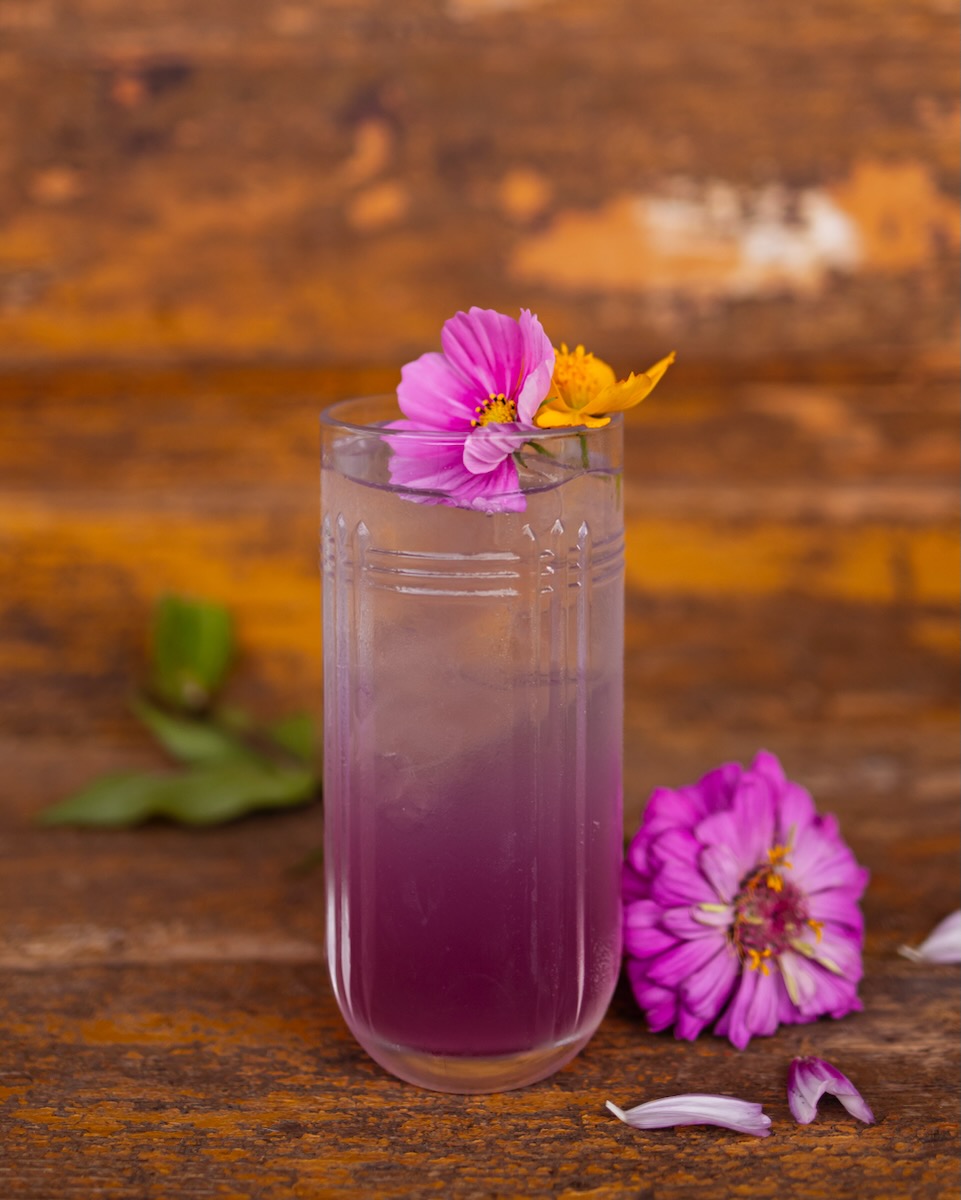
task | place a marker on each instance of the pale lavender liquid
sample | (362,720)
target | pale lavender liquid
(473,701)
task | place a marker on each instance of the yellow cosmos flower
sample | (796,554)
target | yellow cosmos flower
(584,390)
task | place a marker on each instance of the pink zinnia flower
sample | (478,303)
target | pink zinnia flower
(741,907)
(483,390)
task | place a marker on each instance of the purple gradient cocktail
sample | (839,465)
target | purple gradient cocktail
(473,737)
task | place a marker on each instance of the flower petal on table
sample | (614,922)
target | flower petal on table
(810,1078)
(693,1109)
(942,945)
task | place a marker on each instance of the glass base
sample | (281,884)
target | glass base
(470,1075)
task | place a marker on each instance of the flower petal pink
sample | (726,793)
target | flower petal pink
(760,895)
(685,921)
(821,858)
(487,347)
(672,967)
(642,939)
(942,945)
(706,990)
(692,1109)
(733,1022)
(430,470)
(762,1014)
(486,354)
(815,991)
(810,1078)
(539,365)
(488,446)
(434,395)
(723,866)
(502,356)
(659,1004)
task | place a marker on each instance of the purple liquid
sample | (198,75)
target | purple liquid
(489,927)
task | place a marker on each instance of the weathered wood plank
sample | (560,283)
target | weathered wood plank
(329,181)
(239,1079)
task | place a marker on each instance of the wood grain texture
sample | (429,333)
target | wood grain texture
(237,1080)
(324,180)
(166,1025)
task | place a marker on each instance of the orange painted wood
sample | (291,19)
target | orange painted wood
(321,180)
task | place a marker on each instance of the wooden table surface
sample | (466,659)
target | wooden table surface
(166,1024)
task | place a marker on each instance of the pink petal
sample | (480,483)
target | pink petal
(674,885)
(633,884)
(795,812)
(821,860)
(716,789)
(676,846)
(659,1004)
(689,1026)
(676,965)
(723,866)
(642,912)
(769,765)
(840,908)
(733,853)
(486,347)
(432,471)
(670,809)
(753,809)
(644,940)
(722,1111)
(734,1023)
(706,990)
(815,991)
(808,1080)
(488,446)
(689,922)
(538,365)
(942,945)
(435,396)
(762,1012)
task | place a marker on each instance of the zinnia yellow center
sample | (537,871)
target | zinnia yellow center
(495,410)
(770,913)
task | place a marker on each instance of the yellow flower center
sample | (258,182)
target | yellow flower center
(495,410)
(770,913)
(579,376)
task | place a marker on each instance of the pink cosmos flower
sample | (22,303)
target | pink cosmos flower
(483,392)
(741,907)
(807,1081)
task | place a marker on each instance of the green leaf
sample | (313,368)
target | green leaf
(189,739)
(206,795)
(191,648)
(113,801)
(296,734)
(227,790)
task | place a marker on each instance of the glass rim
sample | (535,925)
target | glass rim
(330,418)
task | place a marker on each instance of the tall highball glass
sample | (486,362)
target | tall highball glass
(473,696)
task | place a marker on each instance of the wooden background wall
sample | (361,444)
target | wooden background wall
(326,180)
